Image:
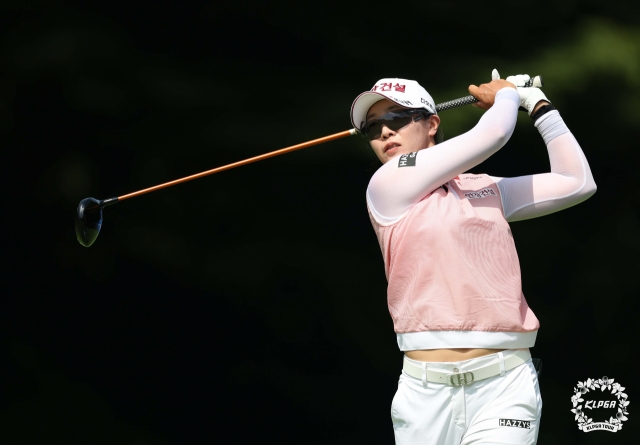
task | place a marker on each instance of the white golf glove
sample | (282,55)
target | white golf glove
(529,97)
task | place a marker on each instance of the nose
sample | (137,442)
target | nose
(387,132)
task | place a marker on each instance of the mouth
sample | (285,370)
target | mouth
(390,147)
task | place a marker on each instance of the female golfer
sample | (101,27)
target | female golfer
(455,292)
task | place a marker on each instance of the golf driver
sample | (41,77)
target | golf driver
(89,213)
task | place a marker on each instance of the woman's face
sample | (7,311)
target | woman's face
(411,138)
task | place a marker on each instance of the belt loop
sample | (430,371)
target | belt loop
(424,374)
(502,369)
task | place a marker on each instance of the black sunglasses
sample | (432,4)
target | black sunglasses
(394,120)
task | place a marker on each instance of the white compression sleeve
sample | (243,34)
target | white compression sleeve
(569,182)
(393,190)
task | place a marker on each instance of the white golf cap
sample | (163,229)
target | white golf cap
(406,93)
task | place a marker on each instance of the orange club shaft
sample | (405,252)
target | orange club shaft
(331,137)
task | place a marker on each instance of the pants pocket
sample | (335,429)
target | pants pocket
(535,388)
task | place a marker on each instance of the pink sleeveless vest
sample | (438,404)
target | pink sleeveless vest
(453,271)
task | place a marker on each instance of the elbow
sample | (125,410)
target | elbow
(590,187)
(502,138)
(502,134)
(588,190)
(591,190)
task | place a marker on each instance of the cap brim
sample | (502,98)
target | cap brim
(361,106)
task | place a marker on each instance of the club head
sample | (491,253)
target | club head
(88,221)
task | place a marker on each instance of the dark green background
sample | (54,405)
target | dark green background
(249,307)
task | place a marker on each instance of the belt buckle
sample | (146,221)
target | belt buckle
(461,379)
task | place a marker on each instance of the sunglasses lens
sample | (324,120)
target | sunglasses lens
(373,130)
(393,121)
(399,121)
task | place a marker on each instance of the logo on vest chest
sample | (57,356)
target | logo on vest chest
(481,193)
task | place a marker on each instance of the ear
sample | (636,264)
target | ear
(434,123)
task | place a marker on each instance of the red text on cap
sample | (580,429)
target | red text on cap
(387,87)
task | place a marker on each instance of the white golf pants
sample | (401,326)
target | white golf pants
(498,410)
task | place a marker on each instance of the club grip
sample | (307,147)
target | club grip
(467,100)
(535,82)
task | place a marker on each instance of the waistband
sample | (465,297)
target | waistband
(467,371)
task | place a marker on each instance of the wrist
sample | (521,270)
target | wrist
(541,111)
(551,126)
(539,105)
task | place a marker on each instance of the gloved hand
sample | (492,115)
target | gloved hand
(529,97)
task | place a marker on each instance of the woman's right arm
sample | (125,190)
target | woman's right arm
(395,188)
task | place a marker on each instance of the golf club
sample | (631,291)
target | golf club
(89,212)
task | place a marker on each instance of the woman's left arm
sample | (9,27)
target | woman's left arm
(569,182)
